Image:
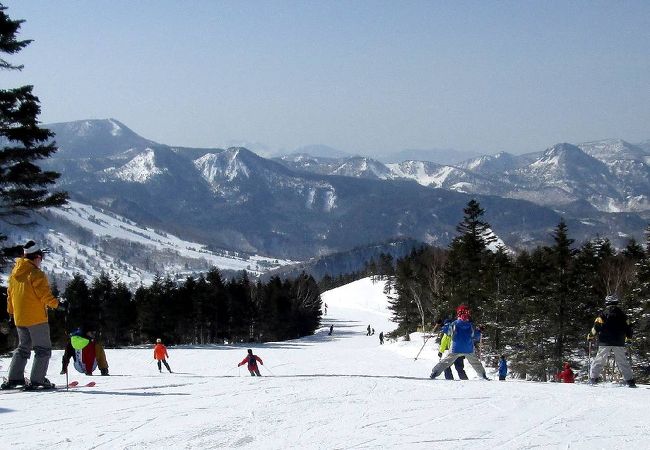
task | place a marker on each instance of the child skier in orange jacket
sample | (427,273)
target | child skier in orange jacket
(160,355)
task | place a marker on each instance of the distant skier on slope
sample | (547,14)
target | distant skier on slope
(566,375)
(160,354)
(331,330)
(368,333)
(462,344)
(381,338)
(503,368)
(252,361)
(612,329)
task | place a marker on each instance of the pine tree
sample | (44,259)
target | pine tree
(466,265)
(561,291)
(82,310)
(23,184)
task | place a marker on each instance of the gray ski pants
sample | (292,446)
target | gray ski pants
(451,357)
(38,338)
(619,356)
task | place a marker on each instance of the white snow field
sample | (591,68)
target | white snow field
(322,392)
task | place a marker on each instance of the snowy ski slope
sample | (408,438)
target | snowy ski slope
(322,392)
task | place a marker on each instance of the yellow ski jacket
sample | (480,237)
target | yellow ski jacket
(29,294)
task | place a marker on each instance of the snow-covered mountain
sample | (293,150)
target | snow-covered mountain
(610,175)
(300,206)
(88,240)
(95,138)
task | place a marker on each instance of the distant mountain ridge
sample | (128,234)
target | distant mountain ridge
(300,207)
(611,175)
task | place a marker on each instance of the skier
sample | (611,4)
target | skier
(368,333)
(462,344)
(28,297)
(566,375)
(331,330)
(445,344)
(381,338)
(325,308)
(612,329)
(160,354)
(87,354)
(372,333)
(503,368)
(252,361)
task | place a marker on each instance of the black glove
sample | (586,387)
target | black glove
(6,325)
(439,355)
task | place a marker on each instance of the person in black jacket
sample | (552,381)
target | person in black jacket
(612,329)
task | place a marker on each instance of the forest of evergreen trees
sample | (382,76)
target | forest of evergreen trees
(536,306)
(201,310)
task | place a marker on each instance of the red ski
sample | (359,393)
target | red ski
(76,384)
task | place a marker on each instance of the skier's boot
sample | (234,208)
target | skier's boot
(40,385)
(12,384)
(103,372)
(433,375)
(631,383)
(593,381)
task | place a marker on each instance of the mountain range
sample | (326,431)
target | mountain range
(303,206)
(611,175)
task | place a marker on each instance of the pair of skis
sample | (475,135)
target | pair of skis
(73,384)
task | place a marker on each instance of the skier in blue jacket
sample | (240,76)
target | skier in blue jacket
(445,344)
(462,344)
(503,368)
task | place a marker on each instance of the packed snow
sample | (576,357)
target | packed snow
(321,392)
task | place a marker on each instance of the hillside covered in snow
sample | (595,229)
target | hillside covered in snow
(88,240)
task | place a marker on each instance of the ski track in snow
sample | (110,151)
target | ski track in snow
(321,392)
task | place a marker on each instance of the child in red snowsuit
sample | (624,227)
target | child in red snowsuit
(252,363)
(566,375)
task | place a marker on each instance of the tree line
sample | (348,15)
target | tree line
(200,310)
(535,306)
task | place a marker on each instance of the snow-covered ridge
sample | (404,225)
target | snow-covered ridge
(225,165)
(173,255)
(140,169)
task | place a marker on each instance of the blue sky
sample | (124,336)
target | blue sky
(365,77)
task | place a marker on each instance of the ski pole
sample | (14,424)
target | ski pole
(268,370)
(589,358)
(421,348)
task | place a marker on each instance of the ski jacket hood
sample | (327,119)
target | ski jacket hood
(29,294)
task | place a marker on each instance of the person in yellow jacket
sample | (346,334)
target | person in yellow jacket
(28,297)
